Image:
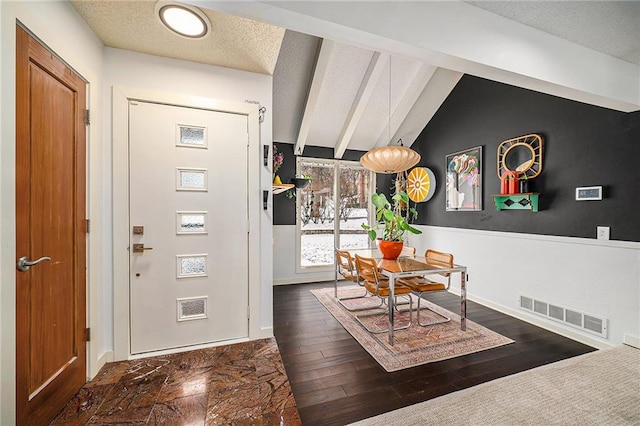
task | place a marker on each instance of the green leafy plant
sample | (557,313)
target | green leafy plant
(291,194)
(395,224)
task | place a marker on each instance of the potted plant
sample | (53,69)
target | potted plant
(300,181)
(393,224)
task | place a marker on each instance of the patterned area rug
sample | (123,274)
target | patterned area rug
(413,346)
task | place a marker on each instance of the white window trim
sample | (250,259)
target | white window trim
(336,223)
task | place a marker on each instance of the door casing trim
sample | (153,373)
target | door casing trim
(121,96)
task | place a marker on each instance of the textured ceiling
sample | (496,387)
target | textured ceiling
(234,42)
(342,79)
(610,27)
(291,80)
(342,95)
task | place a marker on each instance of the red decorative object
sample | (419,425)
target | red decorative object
(513,183)
(390,249)
(509,183)
(504,185)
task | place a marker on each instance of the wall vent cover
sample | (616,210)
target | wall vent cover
(574,318)
(540,307)
(586,322)
(556,312)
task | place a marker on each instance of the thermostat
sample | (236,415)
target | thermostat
(589,193)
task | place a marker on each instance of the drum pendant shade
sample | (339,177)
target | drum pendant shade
(390,159)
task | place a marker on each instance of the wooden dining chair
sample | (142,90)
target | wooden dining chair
(423,285)
(408,251)
(345,267)
(378,286)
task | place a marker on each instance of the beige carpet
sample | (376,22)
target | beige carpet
(416,345)
(598,388)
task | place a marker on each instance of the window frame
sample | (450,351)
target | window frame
(336,163)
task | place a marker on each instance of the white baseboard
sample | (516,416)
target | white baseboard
(100,362)
(266,332)
(587,340)
(304,279)
(189,348)
(632,340)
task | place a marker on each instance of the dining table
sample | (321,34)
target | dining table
(408,266)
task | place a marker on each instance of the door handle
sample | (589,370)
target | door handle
(24,263)
(140,248)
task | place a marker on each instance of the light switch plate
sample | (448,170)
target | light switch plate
(603,232)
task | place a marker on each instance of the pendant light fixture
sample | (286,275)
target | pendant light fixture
(391,158)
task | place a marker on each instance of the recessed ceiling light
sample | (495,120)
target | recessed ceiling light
(182,19)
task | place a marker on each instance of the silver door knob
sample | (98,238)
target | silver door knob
(24,263)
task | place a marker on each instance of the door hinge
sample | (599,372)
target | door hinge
(87,334)
(88,225)
(87,117)
(248,226)
(248,313)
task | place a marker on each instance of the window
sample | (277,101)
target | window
(330,210)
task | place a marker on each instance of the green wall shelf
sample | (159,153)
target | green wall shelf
(524,201)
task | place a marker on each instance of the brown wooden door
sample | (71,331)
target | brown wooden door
(50,221)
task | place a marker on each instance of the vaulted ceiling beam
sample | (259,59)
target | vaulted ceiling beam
(432,97)
(408,99)
(369,83)
(319,75)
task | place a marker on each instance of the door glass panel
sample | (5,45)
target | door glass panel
(317,214)
(353,206)
(191,222)
(192,179)
(192,308)
(192,266)
(192,136)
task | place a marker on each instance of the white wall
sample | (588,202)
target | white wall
(58,26)
(601,278)
(140,71)
(284,259)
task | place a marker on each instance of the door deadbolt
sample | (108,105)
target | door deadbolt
(140,248)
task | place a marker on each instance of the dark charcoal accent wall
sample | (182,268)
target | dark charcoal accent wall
(584,145)
(284,209)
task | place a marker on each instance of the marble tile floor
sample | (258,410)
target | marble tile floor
(240,384)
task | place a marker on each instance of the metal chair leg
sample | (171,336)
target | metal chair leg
(385,316)
(446,318)
(364,308)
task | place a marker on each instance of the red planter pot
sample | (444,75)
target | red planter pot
(390,249)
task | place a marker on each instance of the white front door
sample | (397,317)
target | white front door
(188,226)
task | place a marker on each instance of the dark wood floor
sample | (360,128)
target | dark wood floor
(335,381)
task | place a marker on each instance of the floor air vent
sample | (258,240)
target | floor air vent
(586,322)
